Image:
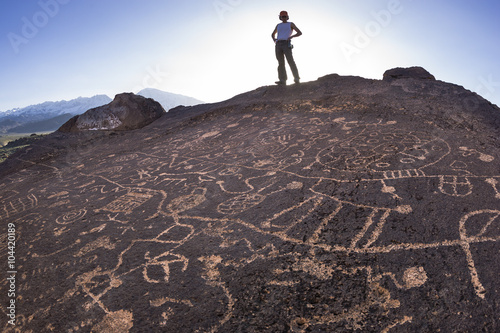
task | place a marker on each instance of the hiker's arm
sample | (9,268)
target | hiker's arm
(298,32)
(275,31)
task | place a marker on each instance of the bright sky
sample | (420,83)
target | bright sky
(214,49)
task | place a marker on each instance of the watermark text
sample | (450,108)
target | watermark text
(11,273)
(373,28)
(225,6)
(31,26)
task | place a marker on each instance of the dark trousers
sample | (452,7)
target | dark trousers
(282,51)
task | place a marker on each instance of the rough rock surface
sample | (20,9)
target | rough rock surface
(339,205)
(126,112)
(408,73)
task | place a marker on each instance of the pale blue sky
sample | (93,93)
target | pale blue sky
(215,49)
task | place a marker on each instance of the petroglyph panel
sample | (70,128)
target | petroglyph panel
(332,224)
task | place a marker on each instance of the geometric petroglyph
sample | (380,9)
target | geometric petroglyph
(455,186)
(162,263)
(399,174)
(71,216)
(17,206)
(187,202)
(102,242)
(240,203)
(128,202)
(125,158)
(385,151)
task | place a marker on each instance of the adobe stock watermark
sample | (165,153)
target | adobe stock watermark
(225,6)
(486,88)
(11,273)
(363,37)
(31,25)
(152,79)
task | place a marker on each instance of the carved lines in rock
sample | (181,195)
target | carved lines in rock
(128,202)
(399,174)
(240,203)
(494,183)
(486,218)
(455,186)
(72,216)
(17,206)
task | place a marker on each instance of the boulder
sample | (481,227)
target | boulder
(126,112)
(408,73)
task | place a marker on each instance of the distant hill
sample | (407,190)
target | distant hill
(168,100)
(47,116)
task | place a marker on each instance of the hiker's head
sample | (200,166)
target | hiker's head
(283,15)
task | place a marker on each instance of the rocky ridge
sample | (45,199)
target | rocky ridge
(339,205)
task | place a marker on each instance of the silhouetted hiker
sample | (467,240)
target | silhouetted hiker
(284,47)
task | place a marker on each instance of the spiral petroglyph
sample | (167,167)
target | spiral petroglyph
(72,216)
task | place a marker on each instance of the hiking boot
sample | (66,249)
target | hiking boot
(280,82)
(297,81)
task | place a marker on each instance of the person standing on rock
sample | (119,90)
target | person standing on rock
(283,47)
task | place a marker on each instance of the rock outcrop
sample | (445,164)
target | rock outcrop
(126,112)
(339,205)
(408,73)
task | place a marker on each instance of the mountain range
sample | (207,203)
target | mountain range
(49,116)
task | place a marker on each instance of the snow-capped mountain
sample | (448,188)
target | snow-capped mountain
(47,116)
(168,100)
(75,106)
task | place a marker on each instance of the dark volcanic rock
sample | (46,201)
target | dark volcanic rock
(408,73)
(126,112)
(339,205)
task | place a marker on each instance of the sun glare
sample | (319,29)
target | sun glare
(239,54)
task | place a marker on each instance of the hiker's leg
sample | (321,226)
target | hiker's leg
(291,63)
(280,55)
